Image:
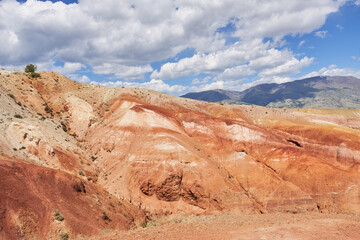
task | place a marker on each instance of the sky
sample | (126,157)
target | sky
(180,46)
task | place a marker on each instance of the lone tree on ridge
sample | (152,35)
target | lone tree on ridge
(30,68)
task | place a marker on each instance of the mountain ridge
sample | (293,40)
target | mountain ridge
(314,92)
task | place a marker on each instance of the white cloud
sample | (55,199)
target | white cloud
(67,69)
(124,37)
(238,72)
(200,81)
(301,43)
(357,2)
(209,86)
(80,78)
(339,27)
(138,31)
(122,71)
(333,70)
(288,68)
(214,62)
(154,84)
(236,62)
(321,34)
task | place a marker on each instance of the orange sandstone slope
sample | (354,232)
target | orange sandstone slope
(31,195)
(168,155)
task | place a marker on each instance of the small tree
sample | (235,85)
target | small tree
(30,68)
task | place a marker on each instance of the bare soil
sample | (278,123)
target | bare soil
(243,227)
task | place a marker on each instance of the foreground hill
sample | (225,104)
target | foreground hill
(109,158)
(315,92)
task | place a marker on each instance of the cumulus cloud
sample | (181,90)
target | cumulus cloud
(154,84)
(66,69)
(289,67)
(123,38)
(321,34)
(80,78)
(333,70)
(200,81)
(123,71)
(236,62)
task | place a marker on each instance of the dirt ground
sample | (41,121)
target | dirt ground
(243,227)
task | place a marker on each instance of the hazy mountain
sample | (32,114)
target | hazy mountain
(210,96)
(315,92)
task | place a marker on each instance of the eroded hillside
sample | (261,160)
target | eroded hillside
(161,154)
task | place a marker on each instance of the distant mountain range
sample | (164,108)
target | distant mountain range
(314,92)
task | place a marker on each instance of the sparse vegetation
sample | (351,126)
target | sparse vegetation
(81,173)
(17,116)
(64,128)
(105,216)
(58,215)
(149,223)
(48,109)
(35,75)
(64,235)
(11,95)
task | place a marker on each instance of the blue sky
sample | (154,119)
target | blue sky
(178,46)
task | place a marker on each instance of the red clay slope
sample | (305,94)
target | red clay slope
(175,159)
(172,155)
(30,194)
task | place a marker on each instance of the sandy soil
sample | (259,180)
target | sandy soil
(245,227)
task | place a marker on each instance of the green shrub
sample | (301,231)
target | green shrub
(35,75)
(30,68)
(11,95)
(17,116)
(81,173)
(58,215)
